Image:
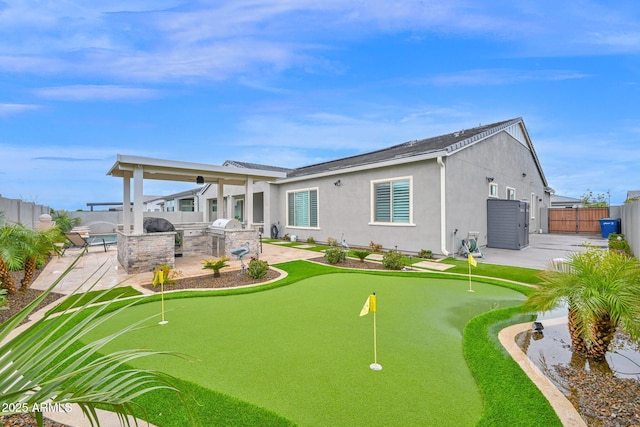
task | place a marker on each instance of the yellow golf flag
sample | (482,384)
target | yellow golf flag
(369,305)
(158,278)
(472,261)
(365,308)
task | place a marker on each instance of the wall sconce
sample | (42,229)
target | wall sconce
(338,183)
(199,179)
(524,175)
(489,179)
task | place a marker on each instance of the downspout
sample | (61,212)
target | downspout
(443,209)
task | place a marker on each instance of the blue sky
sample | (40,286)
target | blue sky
(295,82)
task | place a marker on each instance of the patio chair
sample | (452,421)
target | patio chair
(80,242)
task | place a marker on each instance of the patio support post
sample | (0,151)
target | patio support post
(138,173)
(126,204)
(248,189)
(220,201)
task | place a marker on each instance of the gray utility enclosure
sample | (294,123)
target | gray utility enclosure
(507,224)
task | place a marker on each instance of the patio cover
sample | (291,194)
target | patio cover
(141,168)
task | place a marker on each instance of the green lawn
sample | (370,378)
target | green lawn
(303,352)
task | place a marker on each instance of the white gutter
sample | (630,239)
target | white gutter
(443,208)
(374,165)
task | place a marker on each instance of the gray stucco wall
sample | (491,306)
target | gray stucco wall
(347,208)
(16,211)
(504,159)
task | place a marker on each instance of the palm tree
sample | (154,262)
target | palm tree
(47,363)
(602,292)
(10,256)
(64,220)
(37,245)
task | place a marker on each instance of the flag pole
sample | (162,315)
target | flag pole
(470,261)
(160,279)
(375,365)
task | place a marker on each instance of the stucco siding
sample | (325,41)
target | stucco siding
(346,208)
(509,164)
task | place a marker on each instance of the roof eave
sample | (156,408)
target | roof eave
(368,166)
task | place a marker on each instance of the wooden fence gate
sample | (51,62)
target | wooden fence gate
(576,220)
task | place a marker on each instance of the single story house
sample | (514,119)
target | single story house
(422,194)
(566,202)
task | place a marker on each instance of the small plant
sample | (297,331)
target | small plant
(257,268)
(618,244)
(361,254)
(311,240)
(3,299)
(393,260)
(425,254)
(334,255)
(331,241)
(215,264)
(286,237)
(169,275)
(375,247)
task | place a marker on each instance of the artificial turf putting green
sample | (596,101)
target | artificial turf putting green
(303,352)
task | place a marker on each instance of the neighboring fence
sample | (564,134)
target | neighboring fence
(576,220)
(16,211)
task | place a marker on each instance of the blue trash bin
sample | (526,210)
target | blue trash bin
(608,226)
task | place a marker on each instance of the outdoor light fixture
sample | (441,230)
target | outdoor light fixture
(338,183)
(524,174)
(489,179)
(199,179)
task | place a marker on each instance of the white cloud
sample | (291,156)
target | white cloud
(96,92)
(11,109)
(502,76)
(216,40)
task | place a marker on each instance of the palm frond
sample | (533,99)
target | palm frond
(47,363)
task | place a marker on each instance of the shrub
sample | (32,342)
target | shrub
(169,275)
(286,237)
(361,254)
(331,241)
(393,260)
(334,255)
(257,268)
(425,253)
(311,240)
(618,244)
(375,247)
(215,264)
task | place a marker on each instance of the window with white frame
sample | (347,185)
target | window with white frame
(392,201)
(493,190)
(302,208)
(532,206)
(511,193)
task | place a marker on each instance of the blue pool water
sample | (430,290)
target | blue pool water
(108,238)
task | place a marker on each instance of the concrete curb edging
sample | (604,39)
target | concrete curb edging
(565,410)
